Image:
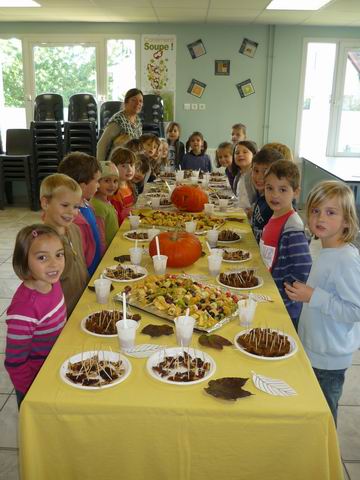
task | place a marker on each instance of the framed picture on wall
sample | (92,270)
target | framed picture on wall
(196,49)
(196,88)
(248,47)
(245,88)
(222,67)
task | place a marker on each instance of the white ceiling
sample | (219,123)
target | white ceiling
(336,13)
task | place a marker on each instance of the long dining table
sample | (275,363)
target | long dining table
(144,428)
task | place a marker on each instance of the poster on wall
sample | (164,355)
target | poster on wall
(158,66)
(248,48)
(222,67)
(196,49)
(245,88)
(196,88)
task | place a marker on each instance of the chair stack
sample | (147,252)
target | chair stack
(49,107)
(152,115)
(47,138)
(80,132)
(107,110)
(15,165)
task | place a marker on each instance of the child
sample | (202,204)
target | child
(125,197)
(60,198)
(329,325)
(104,210)
(142,173)
(163,153)
(37,312)
(176,147)
(238,133)
(134,145)
(150,144)
(196,158)
(86,171)
(224,158)
(241,169)
(283,246)
(282,148)
(261,212)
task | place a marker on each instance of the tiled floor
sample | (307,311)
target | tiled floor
(11,220)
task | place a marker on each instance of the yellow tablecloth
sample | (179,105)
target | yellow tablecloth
(143,428)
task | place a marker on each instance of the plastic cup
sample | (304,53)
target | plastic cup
(134,221)
(135,255)
(102,289)
(212,237)
(193,180)
(160,262)
(217,251)
(155,202)
(195,173)
(126,330)
(246,311)
(184,327)
(223,204)
(190,227)
(152,232)
(179,175)
(167,169)
(214,263)
(209,208)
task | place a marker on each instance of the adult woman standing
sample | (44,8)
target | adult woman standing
(126,122)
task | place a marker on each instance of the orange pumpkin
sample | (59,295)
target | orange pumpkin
(189,198)
(181,248)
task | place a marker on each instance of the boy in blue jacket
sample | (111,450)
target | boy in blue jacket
(284,247)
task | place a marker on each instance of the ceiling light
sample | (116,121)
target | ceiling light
(18,3)
(296,4)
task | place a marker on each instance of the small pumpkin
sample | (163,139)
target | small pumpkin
(181,248)
(189,198)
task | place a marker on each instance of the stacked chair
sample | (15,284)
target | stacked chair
(80,132)
(15,165)
(48,107)
(47,143)
(152,115)
(107,110)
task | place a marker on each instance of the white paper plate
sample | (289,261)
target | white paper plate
(293,348)
(139,230)
(260,284)
(236,261)
(159,356)
(239,232)
(142,350)
(135,268)
(83,327)
(103,355)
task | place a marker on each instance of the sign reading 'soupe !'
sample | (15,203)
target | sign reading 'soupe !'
(158,66)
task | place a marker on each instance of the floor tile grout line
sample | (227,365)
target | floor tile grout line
(6,401)
(9,449)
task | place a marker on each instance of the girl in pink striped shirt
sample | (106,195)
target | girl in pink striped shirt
(37,312)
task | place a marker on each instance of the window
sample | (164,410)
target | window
(121,70)
(330,110)
(12,95)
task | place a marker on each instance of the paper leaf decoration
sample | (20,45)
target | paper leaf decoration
(157,330)
(214,341)
(272,386)
(228,388)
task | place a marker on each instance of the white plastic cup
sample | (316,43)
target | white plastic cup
(195,173)
(246,311)
(126,330)
(223,204)
(190,227)
(134,221)
(212,237)
(179,175)
(152,232)
(209,208)
(135,255)
(214,263)
(217,251)
(193,180)
(160,262)
(155,202)
(102,289)
(184,327)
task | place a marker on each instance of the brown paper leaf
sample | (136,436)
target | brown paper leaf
(228,388)
(157,330)
(214,341)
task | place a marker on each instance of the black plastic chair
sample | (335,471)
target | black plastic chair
(83,108)
(15,163)
(107,110)
(48,107)
(152,112)
(80,137)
